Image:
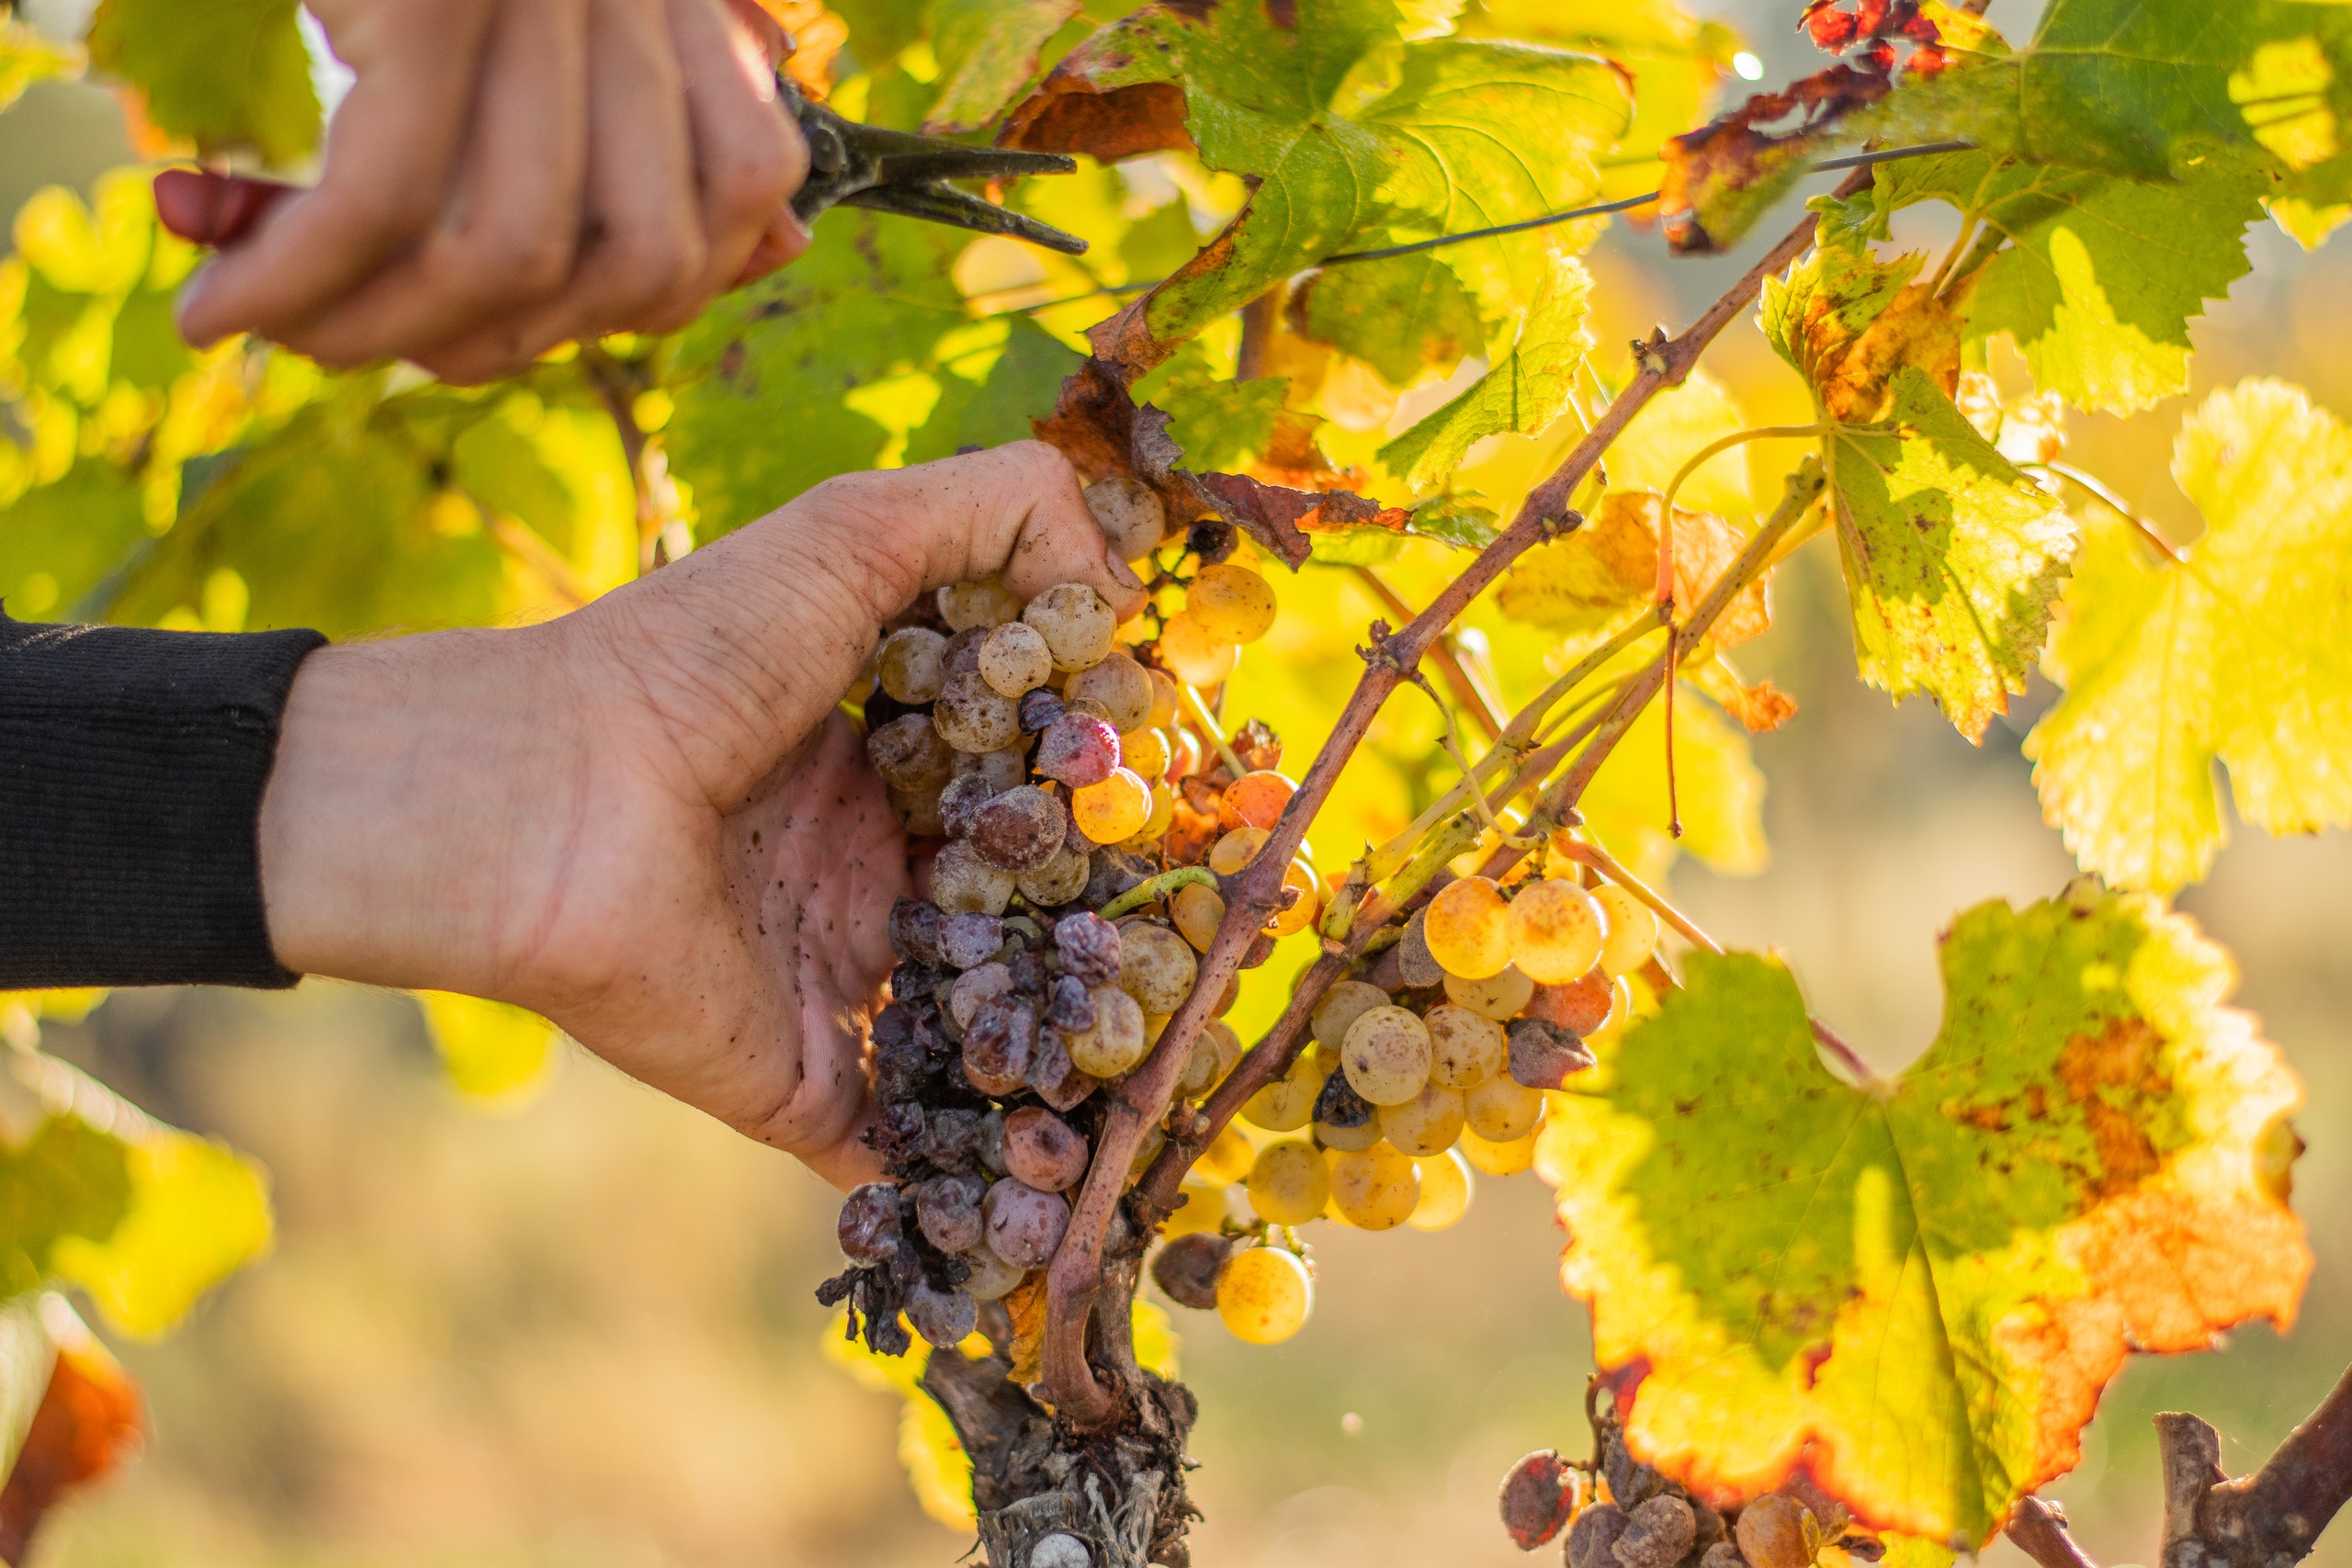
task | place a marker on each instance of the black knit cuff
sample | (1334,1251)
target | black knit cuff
(132,770)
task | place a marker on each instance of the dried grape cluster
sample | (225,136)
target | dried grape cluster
(1052,760)
(1433,1063)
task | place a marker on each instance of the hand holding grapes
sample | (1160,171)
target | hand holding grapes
(648,820)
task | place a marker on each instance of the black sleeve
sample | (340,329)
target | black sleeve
(131,767)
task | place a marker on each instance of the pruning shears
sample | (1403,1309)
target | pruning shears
(850,164)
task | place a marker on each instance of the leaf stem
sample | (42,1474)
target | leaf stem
(1601,861)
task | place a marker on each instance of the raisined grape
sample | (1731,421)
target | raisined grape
(1543,1055)
(1078,749)
(1414,960)
(1338,1105)
(914,932)
(953,1137)
(1070,1007)
(964,796)
(973,717)
(1657,1533)
(947,1208)
(1187,1269)
(1778,1532)
(970,941)
(1596,1530)
(999,1041)
(1015,660)
(1024,1226)
(1120,684)
(942,1317)
(1156,966)
(1020,829)
(911,664)
(909,753)
(869,1222)
(1039,709)
(1076,625)
(962,883)
(1130,513)
(1043,1150)
(1091,948)
(1538,1495)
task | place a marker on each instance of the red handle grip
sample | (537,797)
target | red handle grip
(213,209)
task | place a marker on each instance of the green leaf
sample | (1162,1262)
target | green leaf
(1916,1289)
(988,53)
(1455,518)
(226,74)
(988,393)
(871,299)
(2241,652)
(1221,426)
(1952,557)
(68,1178)
(1523,394)
(1355,140)
(1409,318)
(2097,277)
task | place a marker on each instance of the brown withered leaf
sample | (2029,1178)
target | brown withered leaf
(1069,114)
(1760,707)
(86,1426)
(1854,375)
(1025,1305)
(1595,574)
(1723,177)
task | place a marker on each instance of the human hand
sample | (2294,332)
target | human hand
(505,176)
(648,820)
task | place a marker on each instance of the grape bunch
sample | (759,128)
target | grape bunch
(1054,754)
(1432,1064)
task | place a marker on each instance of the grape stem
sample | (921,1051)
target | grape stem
(1077,1275)
(1154,889)
(1198,712)
(1468,694)
(1601,861)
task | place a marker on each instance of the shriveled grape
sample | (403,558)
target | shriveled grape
(1289,1184)
(1376,1188)
(1592,1535)
(1446,1191)
(942,1317)
(1078,749)
(1130,513)
(1426,1125)
(1024,1226)
(969,940)
(986,603)
(1119,684)
(1386,1055)
(1156,966)
(1197,911)
(869,1229)
(1657,1533)
(964,796)
(1338,1105)
(1538,1495)
(1000,1039)
(1069,1006)
(1115,1042)
(1465,1048)
(1556,930)
(1020,830)
(1632,931)
(1039,709)
(1467,928)
(1043,1150)
(975,987)
(1414,961)
(948,1209)
(1193,654)
(1543,1055)
(911,664)
(915,927)
(1188,1265)
(1091,948)
(973,717)
(1264,1295)
(1777,1530)
(1502,1109)
(1114,809)
(910,752)
(1232,604)
(1497,997)
(1076,625)
(962,883)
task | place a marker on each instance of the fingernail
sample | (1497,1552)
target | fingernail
(1121,572)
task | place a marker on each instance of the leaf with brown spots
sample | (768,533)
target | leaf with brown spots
(1910,1293)
(1025,1305)
(1723,177)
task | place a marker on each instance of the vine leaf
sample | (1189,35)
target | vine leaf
(1952,555)
(988,52)
(26,57)
(74,1413)
(176,53)
(2241,654)
(1523,394)
(1591,578)
(1354,138)
(489,1049)
(2097,277)
(1915,1289)
(1719,179)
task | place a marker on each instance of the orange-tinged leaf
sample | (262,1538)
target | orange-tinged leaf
(1593,576)
(1913,1291)
(86,1426)
(1025,1305)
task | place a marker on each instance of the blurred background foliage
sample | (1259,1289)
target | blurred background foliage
(521,1311)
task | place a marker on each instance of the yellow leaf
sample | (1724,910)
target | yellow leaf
(198,1211)
(490,1050)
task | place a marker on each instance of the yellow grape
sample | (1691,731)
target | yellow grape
(1288,1184)
(986,603)
(1264,1295)
(1347,1139)
(1199,1068)
(1193,656)
(1377,1190)
(1156,966)
(1120,684)
(1155,827)
(1467,929)
(1117,1038)
(911,665)
(1163,700)
(1298,875)
(1237,850)
(1255,799)
(1014,660)
(1078,626)
(1424,1125)
(1446,1191)
(1345,1002)
(1502,1109)
(1466,1048)
(1632,931)
(1288,1103)
(1387,1056)
(1114,811)
(1227,1159)
(1497,997)
(1218,1032)
(1557,932)
(1506,1158)
(1199,1207)
(1232,604)
(1145,750)
(1196,909)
